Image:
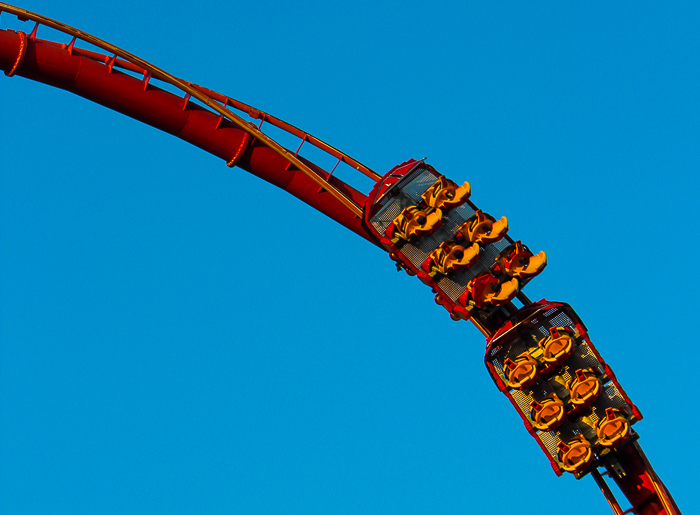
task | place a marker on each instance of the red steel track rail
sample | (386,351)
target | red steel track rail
(222,132)
(218,129)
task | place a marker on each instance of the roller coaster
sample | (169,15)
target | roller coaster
(538,354)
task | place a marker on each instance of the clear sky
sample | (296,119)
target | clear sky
(171,344)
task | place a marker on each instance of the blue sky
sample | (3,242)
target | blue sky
(154,359)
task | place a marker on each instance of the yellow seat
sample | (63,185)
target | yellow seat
(613,429)
(414,222)
(557,346)
(521,263)
(505,294)
(451,257)
(584,388)
(444,194)
(548,414)
(575,455)
(483,229)
(486,289)
(521,372)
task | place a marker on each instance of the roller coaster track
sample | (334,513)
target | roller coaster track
(215,122)
(217,130)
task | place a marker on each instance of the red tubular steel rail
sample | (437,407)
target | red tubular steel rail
(217,130)
(221,132)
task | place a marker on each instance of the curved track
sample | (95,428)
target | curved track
(127,84)
(217,130)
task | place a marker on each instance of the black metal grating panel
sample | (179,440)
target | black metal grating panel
(464,211)
(561,320)
(416,187)
(386,215)
(550,440)
(414,254)
(582,357)
(613,397)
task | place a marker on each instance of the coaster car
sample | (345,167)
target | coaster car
(518,261)
(444,194)
(413,223)
(451,257)
(483,229)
